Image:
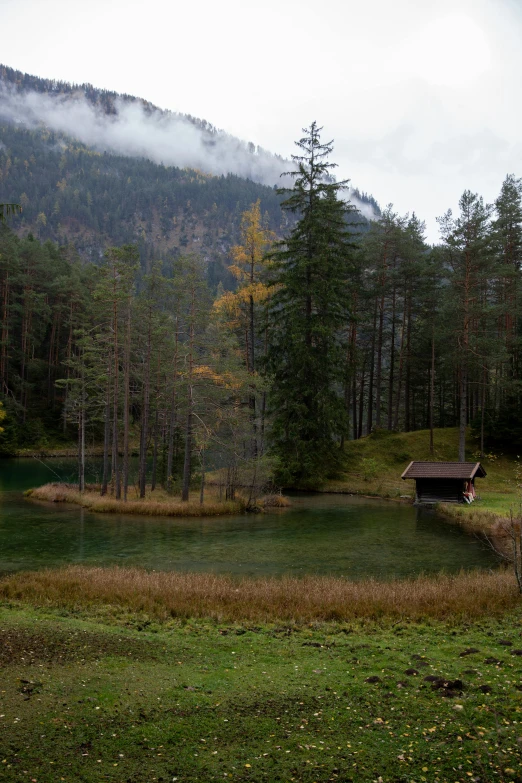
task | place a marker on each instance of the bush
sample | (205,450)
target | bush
(370,468)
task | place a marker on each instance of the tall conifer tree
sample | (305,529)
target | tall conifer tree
(467,251)
(309,312)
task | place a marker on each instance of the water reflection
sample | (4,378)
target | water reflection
(324,534)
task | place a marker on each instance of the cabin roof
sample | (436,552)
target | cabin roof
(444,470)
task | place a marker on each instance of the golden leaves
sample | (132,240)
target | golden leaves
(225,379)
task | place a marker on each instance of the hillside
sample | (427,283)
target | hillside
(123,186)
(374,465)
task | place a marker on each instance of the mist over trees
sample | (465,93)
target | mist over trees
(160,196)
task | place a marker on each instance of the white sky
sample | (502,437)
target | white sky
(422,97)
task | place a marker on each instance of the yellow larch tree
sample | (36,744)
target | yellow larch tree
(239,307)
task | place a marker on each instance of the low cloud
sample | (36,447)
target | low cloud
(136,130)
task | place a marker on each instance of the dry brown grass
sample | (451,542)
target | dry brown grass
(169,595)
(160,505)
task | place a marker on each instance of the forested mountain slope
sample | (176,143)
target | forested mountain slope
(94,197)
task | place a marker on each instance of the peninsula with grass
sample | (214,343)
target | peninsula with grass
(155,503)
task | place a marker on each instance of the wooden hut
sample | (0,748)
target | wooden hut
(444,482)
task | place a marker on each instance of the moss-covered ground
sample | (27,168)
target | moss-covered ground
(86,699)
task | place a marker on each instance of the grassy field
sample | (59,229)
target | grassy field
(125,676)
(135,700)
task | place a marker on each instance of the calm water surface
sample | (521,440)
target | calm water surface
(322,534)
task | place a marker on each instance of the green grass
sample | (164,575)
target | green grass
(140,701)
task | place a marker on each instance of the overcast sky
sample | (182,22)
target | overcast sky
(422,97)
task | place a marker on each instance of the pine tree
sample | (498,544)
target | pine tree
(309,315)
(507,243)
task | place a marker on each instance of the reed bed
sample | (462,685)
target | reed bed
(161,505)
(166,595)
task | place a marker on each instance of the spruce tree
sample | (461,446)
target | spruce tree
(312,272)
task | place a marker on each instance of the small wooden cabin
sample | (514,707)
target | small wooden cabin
(444,482)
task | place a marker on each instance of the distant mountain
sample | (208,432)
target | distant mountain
(96,168)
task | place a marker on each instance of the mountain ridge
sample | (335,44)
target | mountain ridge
(72,192)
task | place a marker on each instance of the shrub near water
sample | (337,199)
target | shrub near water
(165,595)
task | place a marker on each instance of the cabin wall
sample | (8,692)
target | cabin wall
(439,491)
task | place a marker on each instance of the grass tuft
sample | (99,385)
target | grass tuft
(275,501)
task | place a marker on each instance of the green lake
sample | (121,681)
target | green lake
(322,534)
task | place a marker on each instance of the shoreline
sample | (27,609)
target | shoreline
(476,521)
(67,452)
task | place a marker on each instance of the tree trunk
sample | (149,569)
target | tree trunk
(68,357)
(378,375)
(126,402)
(463,374)
(106,436)
(372,366)
(116,476)
(432,389)
(5,335)
(463,411)
(188,433)
(145,411)
(172,418)
(483,411)
(155,451)
(252,369)
(401,367)
(263,397)
(202,487)
(407,379)
(361,400)
(188,453)
(392,363)
(115,480)
(81,438)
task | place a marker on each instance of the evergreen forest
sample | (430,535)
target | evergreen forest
(201,322)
